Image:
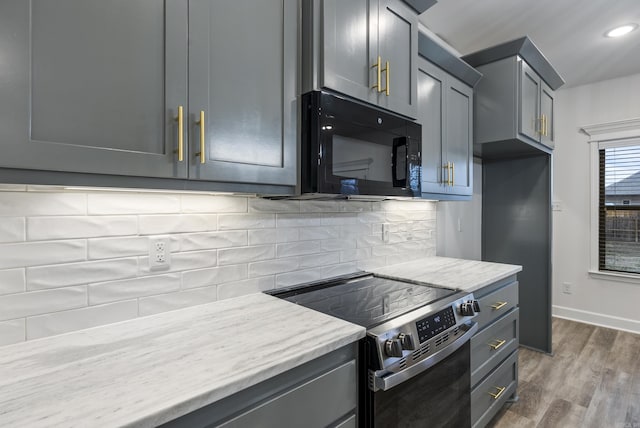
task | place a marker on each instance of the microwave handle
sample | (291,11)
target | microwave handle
(400,142)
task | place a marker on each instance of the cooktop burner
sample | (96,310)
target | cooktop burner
(365,300)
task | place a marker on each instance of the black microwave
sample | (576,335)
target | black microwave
(349,149)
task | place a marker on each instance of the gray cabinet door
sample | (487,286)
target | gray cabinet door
(546,112)
(431,84)
(93,85)
(242,76)
(529,121)
(398,45)
(349,47)
(458,136)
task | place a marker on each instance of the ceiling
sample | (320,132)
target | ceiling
(568,32)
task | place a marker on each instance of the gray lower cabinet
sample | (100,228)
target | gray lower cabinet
(494,350)
(445,111)
(513,102)
(115,87)
(318,394)
(366,49)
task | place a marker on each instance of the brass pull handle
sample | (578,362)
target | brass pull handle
(499,305)
(453,173)
(445,168)
(497,395)
(498,344)
(180,119)
(545,125)
(386,70)
(201,153)
(539,129)
(379,84)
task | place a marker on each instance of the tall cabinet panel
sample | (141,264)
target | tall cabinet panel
(431,83)
(243,83)
(459,130)
(546,112)
(529,123)
(93,85)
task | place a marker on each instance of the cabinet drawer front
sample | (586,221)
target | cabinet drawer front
(496,304)
(488,397)
(316,403)
(493,344)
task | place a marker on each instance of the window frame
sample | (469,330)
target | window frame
(601,136)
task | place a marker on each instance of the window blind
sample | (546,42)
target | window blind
(619,209)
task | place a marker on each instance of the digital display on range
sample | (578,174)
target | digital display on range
(435,324)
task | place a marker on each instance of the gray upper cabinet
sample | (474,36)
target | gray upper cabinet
(514,101)
(78,95)
(114,87)
(366,49)
(242,80)
(445,111)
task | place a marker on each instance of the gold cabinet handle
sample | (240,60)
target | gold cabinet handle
(545,125)
(499,305)
(202,153)
(453,173)
(378,86)
(387,71)
(445,168)
(180,120)
(498,344)
(497,395)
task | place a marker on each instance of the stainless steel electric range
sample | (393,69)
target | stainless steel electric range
(414,363)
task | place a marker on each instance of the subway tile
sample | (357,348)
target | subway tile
(372,217)
(384,250)
(47,228)
(41,302)
(354,230)
(355,206)
(337,244)
(321,232)
(39,203)
(77,319)
(249,286)
(256,253)
(112,248)
(12,229)
(213,204)
(371,263)
(213,276)
(177,223)
(132,203)
(271,267)
(298,220)
(41,253)
(210,240)
(322,259)
(63,275)
(355,254)
(337,219)
(12,332)
(369,241)
(339,269)
(182,261)
(410,215)
(114,291)
(413,205)
(273,236)
(12,281)
(298,277)
(181,299)
(246,221)
(298,248)
(320,206)
(273,206)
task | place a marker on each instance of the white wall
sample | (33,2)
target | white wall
(459,229)
(77,259)
(598,301)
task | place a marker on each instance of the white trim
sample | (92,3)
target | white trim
(615,276)
(600,320)
(610,134)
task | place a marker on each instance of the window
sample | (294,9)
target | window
(619,208)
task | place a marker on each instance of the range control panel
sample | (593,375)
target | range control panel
(434,324)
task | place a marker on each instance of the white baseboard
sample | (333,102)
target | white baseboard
(601,320)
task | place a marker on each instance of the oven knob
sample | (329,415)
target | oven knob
(476,306)
(466,309)
(393,348)
(406,340)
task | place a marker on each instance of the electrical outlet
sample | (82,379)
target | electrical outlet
(566,288)
(159,253)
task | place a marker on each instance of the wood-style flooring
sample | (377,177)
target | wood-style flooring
(592,380)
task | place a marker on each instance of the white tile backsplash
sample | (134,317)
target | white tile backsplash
(85,259)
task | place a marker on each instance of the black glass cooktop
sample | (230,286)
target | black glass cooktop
(366,301)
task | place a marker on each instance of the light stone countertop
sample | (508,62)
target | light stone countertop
(151,370)
(464,275)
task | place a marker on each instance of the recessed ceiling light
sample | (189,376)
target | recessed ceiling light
(621,30)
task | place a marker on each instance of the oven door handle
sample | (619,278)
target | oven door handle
(387,382)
